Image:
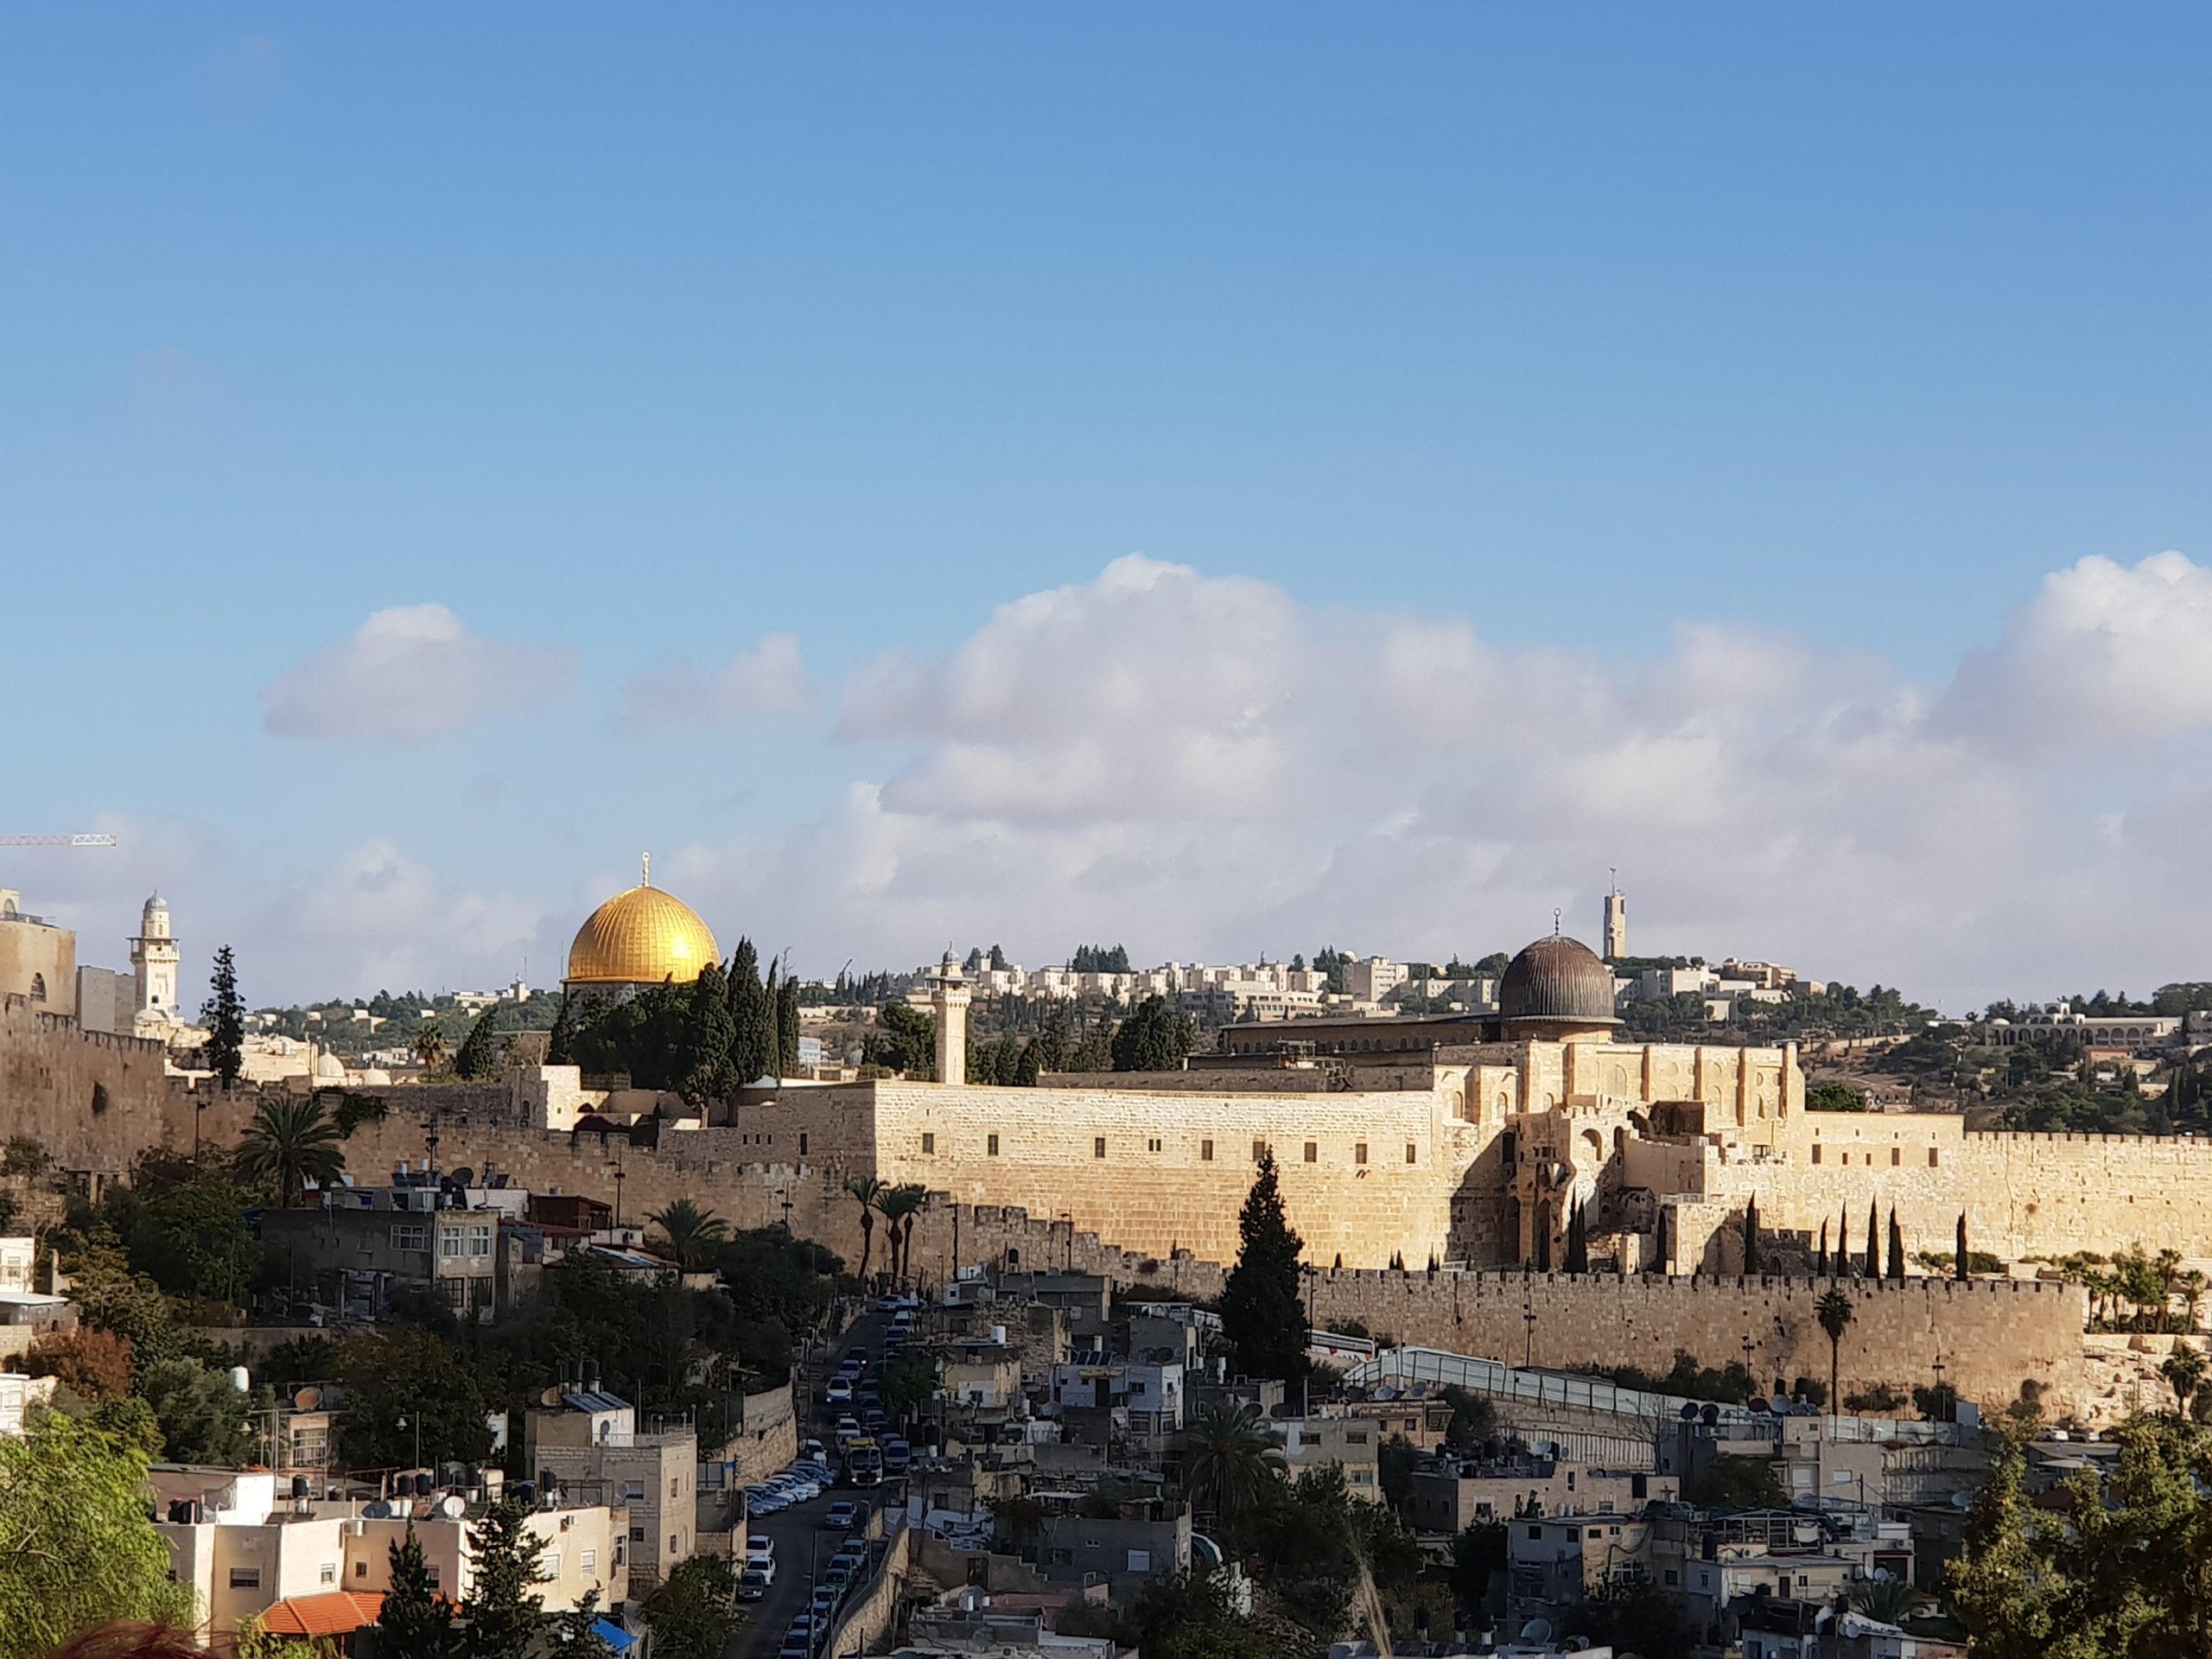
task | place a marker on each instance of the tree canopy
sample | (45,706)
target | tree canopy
(1262,1314)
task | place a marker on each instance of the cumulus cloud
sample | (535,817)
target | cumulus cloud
(764,682)
(2103,654)
(408,674)
(1203,765)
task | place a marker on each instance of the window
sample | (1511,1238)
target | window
(1152,1145)
(1259,1150)
(245,1578)
(637,1535)
(1535,1532)
(590,1562)
(431,1574)
(360,1569)
(991,1145)
(802,1142)
(1139,1560)
(479,1239)
(929,1144)
(1205,1152)
(1355,1437)
(1359,1151)
(1312,1152)
(1897,1156)
(675,1487)
(1816,1152)
(1098,1146)
(1931,1157)
(552,1558)
(450,1244)
(329,1573)
(672,1549)
(1672,1575)
(38,987)
(633,1491)
(411,1236)
(1413,1153)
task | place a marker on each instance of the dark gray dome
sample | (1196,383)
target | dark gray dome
(1559,980)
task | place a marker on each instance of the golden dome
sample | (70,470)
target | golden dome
(641,937)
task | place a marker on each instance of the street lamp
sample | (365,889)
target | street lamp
(1528,1345)
(418,1437)
(620,1177)
(785,1197)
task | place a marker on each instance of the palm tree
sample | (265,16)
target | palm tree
(2168,1263)
(864,1188)
(899,1205)
(1230,1458)
(1886,1599)
(430,1047)
(2185,1369)
(2192,1286)
(689,1229)
(290,1141)
(1834,1313)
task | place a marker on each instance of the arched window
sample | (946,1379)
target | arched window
(38,987)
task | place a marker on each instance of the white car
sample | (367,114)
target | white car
(839,1392)
(759,1547)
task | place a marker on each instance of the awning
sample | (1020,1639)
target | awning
(613,1635)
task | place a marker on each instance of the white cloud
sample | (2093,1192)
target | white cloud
(406,675)
(1205,766)
(766,680)
(2103,655)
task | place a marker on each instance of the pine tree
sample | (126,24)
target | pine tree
(1896,1245)
(479,1058)
(1153,1038)
(787,1028)
(503,1612)
(224,1017)
(752,1048)
(1751,1235)
(415,1623)
(1959,1262)
(1261,1313)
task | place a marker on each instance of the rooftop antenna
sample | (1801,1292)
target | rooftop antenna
(1614,870)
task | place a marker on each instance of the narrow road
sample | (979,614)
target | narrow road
(804,1546)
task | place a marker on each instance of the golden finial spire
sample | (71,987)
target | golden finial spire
(1555,923)
(645,878)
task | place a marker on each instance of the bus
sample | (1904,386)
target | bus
(864,1463)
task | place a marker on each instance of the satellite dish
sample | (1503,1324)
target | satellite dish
(1690,1411)
(1709,1415)
(551,1396)
(1963,1500)
(307,1398)
(463,1177)
(377,1510)
(1536,1630)
(454,1507)
(1779,1405)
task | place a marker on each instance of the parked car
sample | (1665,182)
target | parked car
(898,1456)
(753,1583)
(839,1516)
(812,1451)
(848,1430)
(759,1547)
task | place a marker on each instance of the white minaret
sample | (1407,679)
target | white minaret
(949,999)
(154,957)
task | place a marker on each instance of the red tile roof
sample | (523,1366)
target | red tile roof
(334,1612)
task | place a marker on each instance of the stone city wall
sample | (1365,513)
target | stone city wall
(1991,1335)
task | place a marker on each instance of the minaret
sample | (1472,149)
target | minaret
(154,957)
(949,999)
(1616,921)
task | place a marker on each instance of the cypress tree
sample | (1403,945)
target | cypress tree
(787,1027)
(561,1045)
(1874,1240)
(752,1046)
(224,1017)
(1578,1242)
(503,1612)
(702,1064)
(1959,1261)
(773,1001)
(414,1622)
(479,1058)
(1821,1259)
(1751,1264)
(1896,1245)
(1261,1314)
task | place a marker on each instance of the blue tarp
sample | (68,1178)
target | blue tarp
(613,1635)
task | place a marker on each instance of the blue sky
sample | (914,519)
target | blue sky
(634,341)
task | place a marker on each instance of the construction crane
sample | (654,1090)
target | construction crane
(57,841)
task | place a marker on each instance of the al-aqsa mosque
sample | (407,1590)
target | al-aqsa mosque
(639,937)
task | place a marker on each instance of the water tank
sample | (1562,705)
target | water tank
(998,1335)
(300,1487)
(240,1379)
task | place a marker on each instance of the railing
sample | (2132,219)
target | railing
(1498,1380)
